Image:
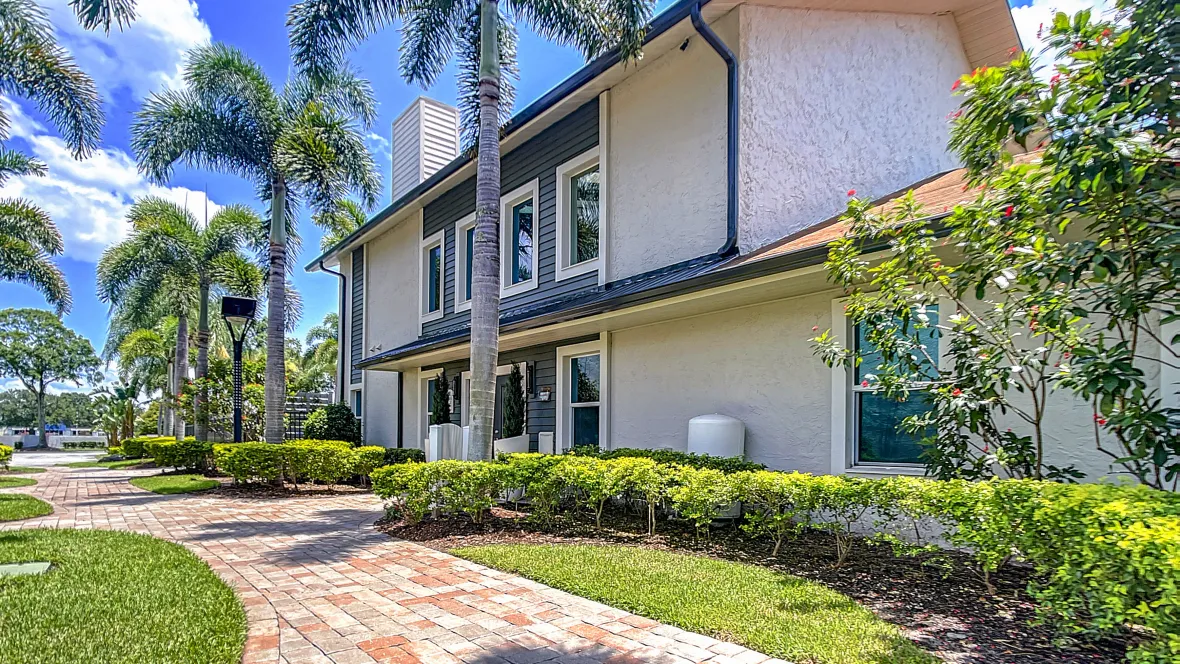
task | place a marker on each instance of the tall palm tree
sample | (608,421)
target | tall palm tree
(102,13)
(306,141)
(34,66)
(322,31)
(171,256)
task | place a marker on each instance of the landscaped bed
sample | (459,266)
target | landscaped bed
(18,506)
(775,613)
(126,463)
(936,600)
(170,484)
(14,482)
(115,597)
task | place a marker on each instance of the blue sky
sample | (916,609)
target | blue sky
(88,199)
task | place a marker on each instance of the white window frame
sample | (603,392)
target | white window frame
(356,398)
(564,433)
(438,239)
(565,233)
(844,401)
(507,202)
(461,266)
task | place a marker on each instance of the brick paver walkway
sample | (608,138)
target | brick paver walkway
(320,585)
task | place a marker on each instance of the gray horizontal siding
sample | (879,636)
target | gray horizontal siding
(537,159)
(356,340)
(542,415)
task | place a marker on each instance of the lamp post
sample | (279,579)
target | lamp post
(237,313)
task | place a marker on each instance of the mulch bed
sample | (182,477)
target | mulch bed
(938,600)
(270,491)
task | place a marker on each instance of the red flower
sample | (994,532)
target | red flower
(1009,250)
(864,383)
(1008,211)
(1013,50)
(983,356)
(956,392)
(1102,421)
(1106,33)
(815,328)
(937,264)
(1067,354)
(955,85)
(985,449)
(851,193)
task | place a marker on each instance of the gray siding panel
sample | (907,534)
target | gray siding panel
(537,159)
(356,318)
(542,415)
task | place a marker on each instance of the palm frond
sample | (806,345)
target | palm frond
(322,32)
(428,38)
(102,13)
(227,79)
(14,163)
(468,76)
(582,24)
(339,221)
(24,221)
(626,27)
(33,65)
(324,154)
(177,126)
(340,88)
(24,263)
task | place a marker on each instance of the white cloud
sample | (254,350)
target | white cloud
(89,199)
(1038,16)
(143,57)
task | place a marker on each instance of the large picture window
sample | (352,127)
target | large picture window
(518,240)
(877,439)
(579,222)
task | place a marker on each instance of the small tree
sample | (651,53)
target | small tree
(440,400)
(333,422)
(514,404)
(1065,271)
(38,350)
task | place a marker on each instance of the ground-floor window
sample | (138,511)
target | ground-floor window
(580,384)
(357,401)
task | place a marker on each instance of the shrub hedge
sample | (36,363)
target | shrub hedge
(395,455)
(328,461)
(333,422)
(5,456)
(1105,556)
(133,448)
(188,454)
(690,459)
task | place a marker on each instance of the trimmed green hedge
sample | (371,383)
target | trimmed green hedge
(188,454)
(1105,556)
(327,461)
(5,456)
(690,459)
(135,447)
(395,455)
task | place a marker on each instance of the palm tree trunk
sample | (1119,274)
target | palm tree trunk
(276,300)
(166,401)
(199,398)
(41,438)
(485,272)
(181,372)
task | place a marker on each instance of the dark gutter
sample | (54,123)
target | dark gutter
(343,326)
(731,122)
(595,68)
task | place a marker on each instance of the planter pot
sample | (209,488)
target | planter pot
(513,445)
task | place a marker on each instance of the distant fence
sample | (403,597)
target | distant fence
(299,406)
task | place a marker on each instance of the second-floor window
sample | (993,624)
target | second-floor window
(579,215)
(464,254)
(432,276)
(518,240)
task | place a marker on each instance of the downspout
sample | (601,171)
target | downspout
(401,381)
(731,121)
(340,384)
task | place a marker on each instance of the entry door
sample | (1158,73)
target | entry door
(498,416)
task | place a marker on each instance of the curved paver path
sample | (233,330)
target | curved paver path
(320,585)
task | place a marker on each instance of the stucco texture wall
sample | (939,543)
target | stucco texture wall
(753,363)
(390,320)
(667,159)
(832,101)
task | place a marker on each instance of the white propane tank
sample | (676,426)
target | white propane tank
(717,435)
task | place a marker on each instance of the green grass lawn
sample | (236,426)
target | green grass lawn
(126,463)
(168,484)
(17,506)
(13,482)
(17,470)
(115,597)
(777,614)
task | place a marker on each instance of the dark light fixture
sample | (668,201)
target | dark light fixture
(238,312)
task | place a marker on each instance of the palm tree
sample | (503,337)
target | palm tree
(339,221)
(101,13)
(306,141)
(34,66)
(171,256)
(314,360)
(322,31)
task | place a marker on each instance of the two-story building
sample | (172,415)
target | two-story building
(663,231)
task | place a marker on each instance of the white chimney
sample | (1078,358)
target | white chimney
(425,138)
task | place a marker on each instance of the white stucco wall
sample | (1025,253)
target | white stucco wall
(667,159)
(391,320)
(756,364)
(832,101)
